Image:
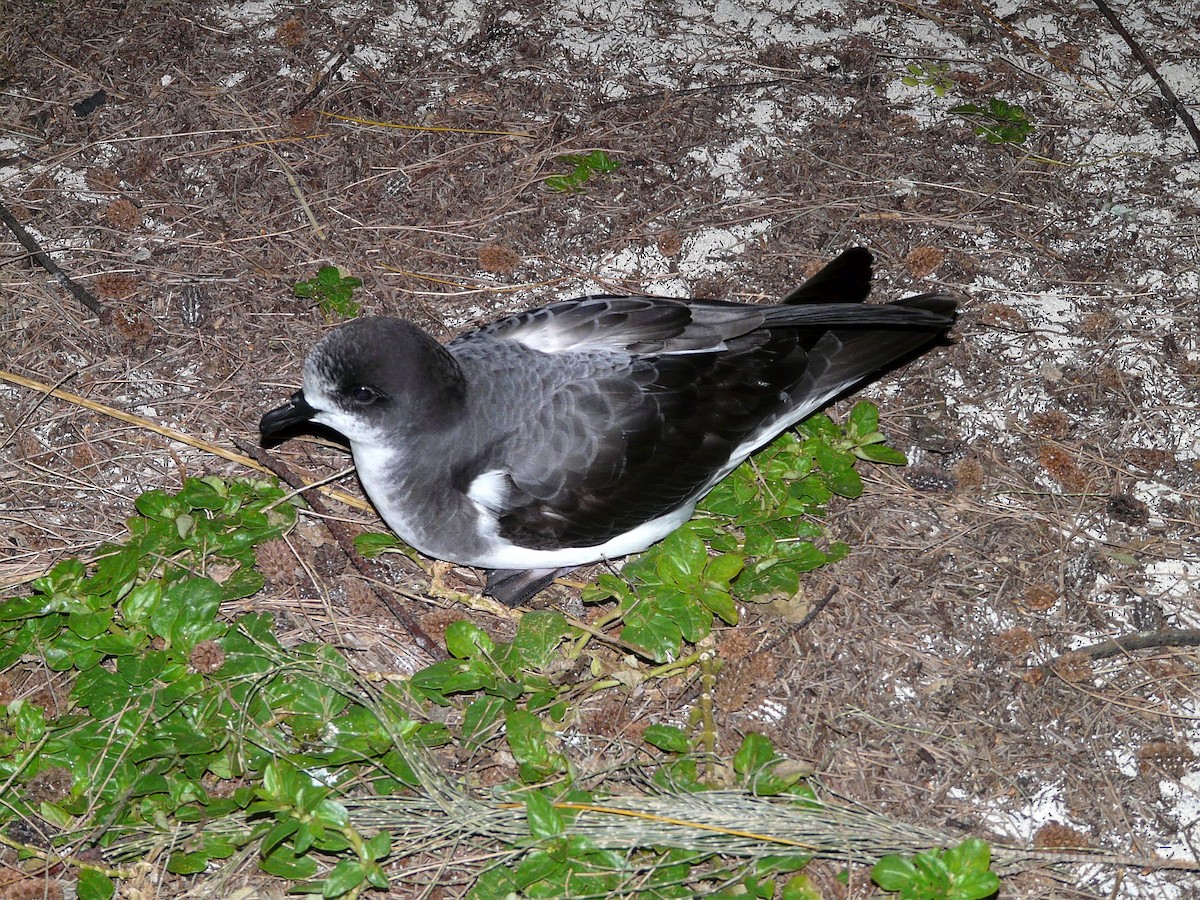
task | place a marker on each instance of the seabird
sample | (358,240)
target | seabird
(590,428)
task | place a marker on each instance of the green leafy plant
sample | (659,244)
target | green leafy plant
(961,873)
(171,732)
(567,866)
(595,163)
(165,713)
(754,539)
(333,291)
(999,121)
(933,75)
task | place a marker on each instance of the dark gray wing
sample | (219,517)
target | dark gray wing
(652,326)
(615,440)
(618,410)
(610,450)
(636,325)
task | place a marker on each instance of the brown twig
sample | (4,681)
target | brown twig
(339,60)
(422,640)
(1143,640)
(669,94)
(1174,102)
(82,294)
(186,439)
(803,623)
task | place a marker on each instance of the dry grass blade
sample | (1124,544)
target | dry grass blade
(433,129)
(730,823)
(171,433)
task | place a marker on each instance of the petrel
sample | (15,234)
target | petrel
(589,429)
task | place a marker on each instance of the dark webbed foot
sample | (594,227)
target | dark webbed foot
(515,587)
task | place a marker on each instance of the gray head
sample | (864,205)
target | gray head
(375,377)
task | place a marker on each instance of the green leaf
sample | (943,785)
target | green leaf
(975,886)
(544,820)
(241,584)
(693,620)
(283,830)
(94,885)
(185,615)
(721,603)
(157,505)
(682,558)
(527,738)
(141,602)
(185,525)
(599,161)
(932,867)
(801,887)
(14,609)
(971,856)
(472,676)
(894,873)
(863,419)
(724,568)
(306,835)
(596,162)
(832,460)
(759,541)
(820,427)
(539,633)
(493,884)
(332,291)
(332,813)
(279,781)
(90,625)
(29,722)
(480,719)
(141,670)
(536,868)
(755,754)
(372,543)
(343,878)
(284,864)
(667,737)
(187,863)
(881,453)
(465,639)
(846,483)
(380,846)
(658,635)
(561,183)
(115,573)
(376,877)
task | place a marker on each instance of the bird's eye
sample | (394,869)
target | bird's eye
(363,394)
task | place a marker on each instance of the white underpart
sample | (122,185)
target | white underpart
(374,462)
(774,429)
(489,491)
(507,556)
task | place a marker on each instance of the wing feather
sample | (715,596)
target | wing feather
(642,403)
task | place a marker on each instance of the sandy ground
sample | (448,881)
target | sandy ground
(1052,500)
